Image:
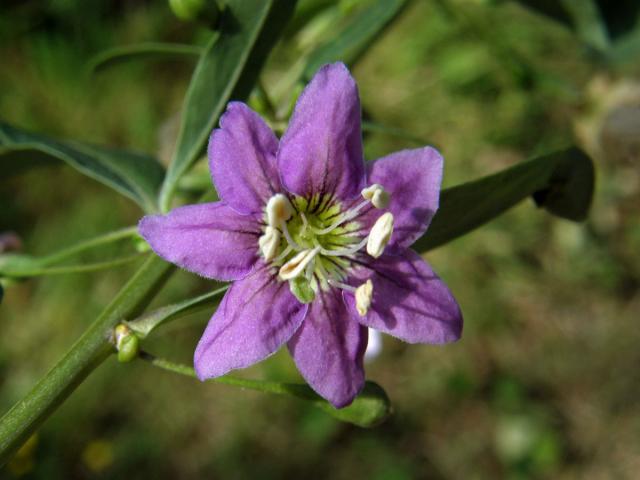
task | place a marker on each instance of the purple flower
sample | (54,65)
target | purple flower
(315,239)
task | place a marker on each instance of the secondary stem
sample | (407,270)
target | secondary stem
(88,244)
(297,390)
(19,423)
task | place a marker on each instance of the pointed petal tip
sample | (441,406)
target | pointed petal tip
(342,401)
(242,159)
(321,150)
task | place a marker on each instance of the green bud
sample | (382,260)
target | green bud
(127,343)
(204,11)
(302,290)
(140,244)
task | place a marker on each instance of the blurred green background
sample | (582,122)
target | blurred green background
(545,381)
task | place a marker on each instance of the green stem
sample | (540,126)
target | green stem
(369,409)
(278,388)
(87,267)
(148,322)
(89,244)
(19,423)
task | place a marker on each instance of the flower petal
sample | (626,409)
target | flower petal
(328,349)
(413,178)
(256,316)
(321,151)
(242,159)
(209,239)
(409,300)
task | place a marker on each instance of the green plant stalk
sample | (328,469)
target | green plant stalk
(19,423)
(82,268)
(265,386)
(89,244)
(370,408)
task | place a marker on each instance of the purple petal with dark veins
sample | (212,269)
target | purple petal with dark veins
(256,316)
(242,159)
(413,178)
(209,239)
(321,151)
(409,301)
(328,349)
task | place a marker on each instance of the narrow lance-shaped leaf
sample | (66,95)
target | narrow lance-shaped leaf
(370,408)
(561,182)
(148,322)
(356,36)
(227,70)
(143,51)
(135,175)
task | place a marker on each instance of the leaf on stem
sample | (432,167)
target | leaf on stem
(227,69)
(370,408)
(136,175)
(353,40)
(561,182)
(142,51)
(148,322)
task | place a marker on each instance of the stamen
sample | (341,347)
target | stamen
(346,216)
(284,254)
(305,223)
(378,196)
(308,272)
(341,252)
(343,286)
(279,209)
(290,240)
(296,266)
(380,235)
(364,294)
(269,243)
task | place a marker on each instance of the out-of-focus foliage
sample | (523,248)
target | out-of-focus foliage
(541,385)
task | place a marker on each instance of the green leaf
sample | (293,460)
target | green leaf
(582,16)
(135,175)
(24,266)
(148,322)
(142,51)
(355,37)
(227,70)
(89,351)
(588,22)
(374,127)
(561,182)
(370,408)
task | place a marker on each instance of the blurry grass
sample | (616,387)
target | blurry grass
(541,385)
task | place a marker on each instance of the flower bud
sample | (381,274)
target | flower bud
(127,343)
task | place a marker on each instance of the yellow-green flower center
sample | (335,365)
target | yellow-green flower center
(312,242)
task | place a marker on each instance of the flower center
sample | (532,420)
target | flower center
(312,242)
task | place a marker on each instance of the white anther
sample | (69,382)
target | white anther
(377,195)
(279,210)
(295,267)
(364,293)
(269,243)
(380,235)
